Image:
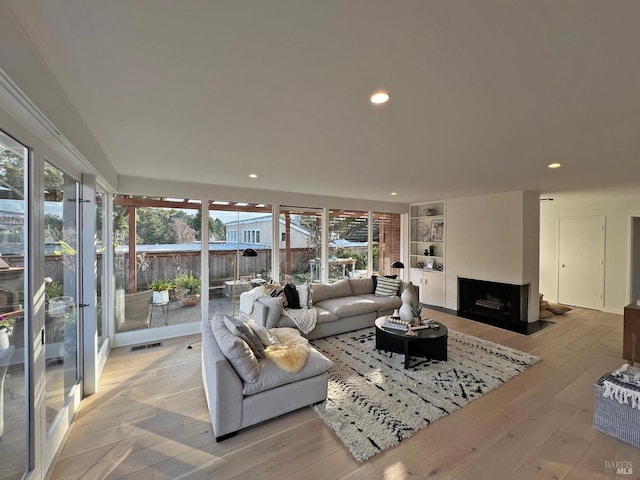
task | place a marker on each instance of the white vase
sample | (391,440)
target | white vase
(409,303)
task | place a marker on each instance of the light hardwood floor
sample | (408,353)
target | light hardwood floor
(149,420)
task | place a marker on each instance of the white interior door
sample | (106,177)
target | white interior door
(581,243)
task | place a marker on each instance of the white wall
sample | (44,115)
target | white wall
(494,238)
(617,213)
(27,82)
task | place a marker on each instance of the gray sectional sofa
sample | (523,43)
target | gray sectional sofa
(343,306)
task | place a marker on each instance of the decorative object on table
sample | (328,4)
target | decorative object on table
(416,320)
(161,291)
(396,324)
(429,265)
(438,266)
(362,408)
(437,230)
(395,315)
(420,264)
(427,252)
(410,302)
(188,287)
(432,250)
(423,232)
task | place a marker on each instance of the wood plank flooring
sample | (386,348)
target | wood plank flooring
(149,420)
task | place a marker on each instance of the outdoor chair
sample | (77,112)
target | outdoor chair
(137,312)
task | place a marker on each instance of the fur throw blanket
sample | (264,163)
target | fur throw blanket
(292,353)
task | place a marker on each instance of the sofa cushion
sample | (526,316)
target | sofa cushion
(388,287)
(236,350)
(274,311)
(271,376)
(325,316)
(322,291)
(244,331)
(361,286)
(348,306)
(384,303)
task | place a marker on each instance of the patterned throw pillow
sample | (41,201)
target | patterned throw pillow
(244,331)
(387,287)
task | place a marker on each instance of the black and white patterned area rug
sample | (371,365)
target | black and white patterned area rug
(374,403)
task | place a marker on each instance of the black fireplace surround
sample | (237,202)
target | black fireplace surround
(500,304)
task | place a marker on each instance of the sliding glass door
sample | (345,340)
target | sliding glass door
(14,380)
(62,289)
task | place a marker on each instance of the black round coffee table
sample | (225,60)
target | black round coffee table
(429,342)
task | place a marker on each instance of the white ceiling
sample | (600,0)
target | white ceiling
(484,93)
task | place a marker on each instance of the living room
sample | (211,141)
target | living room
(186,101)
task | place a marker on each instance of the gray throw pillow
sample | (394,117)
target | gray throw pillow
(275,310)
(262,333)
(236,350)
(244,331)
(304,295)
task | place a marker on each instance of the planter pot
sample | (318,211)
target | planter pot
(190,300)
(4,339)
(161,297)
(58,305)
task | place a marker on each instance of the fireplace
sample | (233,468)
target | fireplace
(500,304)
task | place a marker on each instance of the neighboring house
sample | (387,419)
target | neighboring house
(258,230)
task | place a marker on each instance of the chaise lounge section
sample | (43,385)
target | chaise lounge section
(242,390)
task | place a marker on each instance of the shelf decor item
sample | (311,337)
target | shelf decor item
(437,230)
(422,232)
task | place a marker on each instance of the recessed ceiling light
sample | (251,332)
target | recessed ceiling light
(380,97)
(253,175)
(394,193)
(554,165)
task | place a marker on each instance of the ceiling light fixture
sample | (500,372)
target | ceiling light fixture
(394,193)
(380,97)
(253,175)
(554,165)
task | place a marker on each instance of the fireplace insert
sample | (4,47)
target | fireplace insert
(496,303)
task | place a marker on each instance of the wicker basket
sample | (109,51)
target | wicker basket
(616,419)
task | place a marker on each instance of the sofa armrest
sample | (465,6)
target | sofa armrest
(222,387)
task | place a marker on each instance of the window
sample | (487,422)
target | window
(348,244)
(166,248)
(251,236)
(301,245)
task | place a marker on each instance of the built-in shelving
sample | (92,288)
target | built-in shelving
(427,251)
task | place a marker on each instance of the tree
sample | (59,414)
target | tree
(182,232)
(218,230)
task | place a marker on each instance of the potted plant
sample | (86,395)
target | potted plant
(188,287)
(6,326)
(161,291)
